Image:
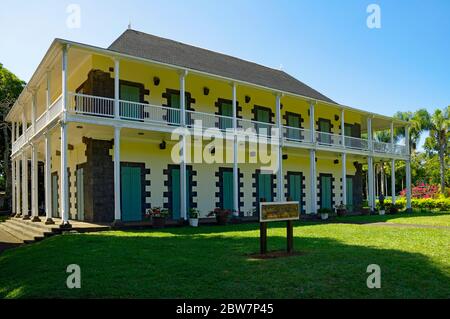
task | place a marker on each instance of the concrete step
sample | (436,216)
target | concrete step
(24,230)
(20,237)
(35,226)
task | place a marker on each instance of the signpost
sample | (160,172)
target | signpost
(277,211)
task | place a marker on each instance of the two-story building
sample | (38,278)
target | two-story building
(97,125)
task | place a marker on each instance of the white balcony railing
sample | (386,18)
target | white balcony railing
(296,134)
(329,139)
(104,107)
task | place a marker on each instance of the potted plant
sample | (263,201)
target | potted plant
(159,216)
(193,217)
(325,213)
(341,210)
(221,215)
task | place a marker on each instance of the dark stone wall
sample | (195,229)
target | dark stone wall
(98,83)
(98,181)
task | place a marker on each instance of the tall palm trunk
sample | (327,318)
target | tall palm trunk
(442,166)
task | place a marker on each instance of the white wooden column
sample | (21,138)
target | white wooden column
(64,185)
(24,123)
(370,133)
(117,194)
(48,179)
(344,178)
(48,95)
(33,111)
(18,189)
(13,186)
(343,127)
(370,183)
(408,185)
(312,123)
(280,184)
(64,78)
(235,154)
(13,132)
(34,184)
(312,159)
(393,180)
(313,181)
(183,174)
(116,88)
(25,185)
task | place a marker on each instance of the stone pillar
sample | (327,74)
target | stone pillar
(64,185)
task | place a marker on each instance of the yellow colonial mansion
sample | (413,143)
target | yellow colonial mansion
(93,136)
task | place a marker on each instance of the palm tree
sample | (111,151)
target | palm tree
(439,139)
(419,122)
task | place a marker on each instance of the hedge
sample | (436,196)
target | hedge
(441,204)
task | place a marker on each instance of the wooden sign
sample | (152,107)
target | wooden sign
(277,211)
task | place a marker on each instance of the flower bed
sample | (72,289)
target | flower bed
(441,204)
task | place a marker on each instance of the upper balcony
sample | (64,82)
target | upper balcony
(148,96)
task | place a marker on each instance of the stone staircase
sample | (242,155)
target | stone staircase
(27,231)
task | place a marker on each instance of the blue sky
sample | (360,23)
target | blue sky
(404,65)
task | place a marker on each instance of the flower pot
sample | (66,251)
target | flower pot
(381,212)
(193,222)
(221,219)
(158,222)
(324,216)
(341,212)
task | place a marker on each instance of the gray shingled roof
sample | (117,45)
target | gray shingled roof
(151,47)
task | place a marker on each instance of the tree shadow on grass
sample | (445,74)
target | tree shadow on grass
(172,264)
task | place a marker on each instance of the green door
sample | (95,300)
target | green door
(263,116)
(131,193)
(227,190)
(226,110)
(295,188)
(128,109)
(55,188)
(80,193)
(176,191)
(174,115)
(325,192)
(348,132)
(349,189)
(325,127)
(265,187)
(293,121)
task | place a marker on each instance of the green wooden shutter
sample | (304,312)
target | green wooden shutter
(293,121)
(325,190)
(176,192)
(226,110)
(227,190)
(55,188)
(80,193)
(174,116)
(324,126)
(129,93)
(295,188)
(349,188)
(131,193)
(175,176)
(263,115)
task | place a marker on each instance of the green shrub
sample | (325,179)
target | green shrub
(423,204)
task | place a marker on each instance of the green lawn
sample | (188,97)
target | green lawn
(214,262)
(416,218)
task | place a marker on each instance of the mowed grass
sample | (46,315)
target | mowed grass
(214,262)
(415,218)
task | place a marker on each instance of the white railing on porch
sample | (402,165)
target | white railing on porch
(296,134)
(143,112)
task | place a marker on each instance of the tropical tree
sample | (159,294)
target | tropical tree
(10,88)
(419,122)
(438,140)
